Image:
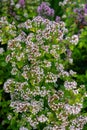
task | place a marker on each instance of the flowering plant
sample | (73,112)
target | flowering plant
(18,10)
(4,98)
(7,30)
(41,89)
(75,15)
(45,11)
(81,16)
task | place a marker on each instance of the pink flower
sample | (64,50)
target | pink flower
(22,2)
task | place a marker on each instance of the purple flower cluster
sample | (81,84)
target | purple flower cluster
(22,3)
(81,14)
(85,9)
(57,19)
(44,10)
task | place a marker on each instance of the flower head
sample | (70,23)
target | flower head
(45,11)
(22,2)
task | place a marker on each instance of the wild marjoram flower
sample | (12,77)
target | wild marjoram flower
(22,2)
(45,11)
(80,15)
(36,65)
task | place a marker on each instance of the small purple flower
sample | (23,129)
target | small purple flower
(57,19)
(75,10)
(52,12)
(22,2)
(86,6)
(85,9)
